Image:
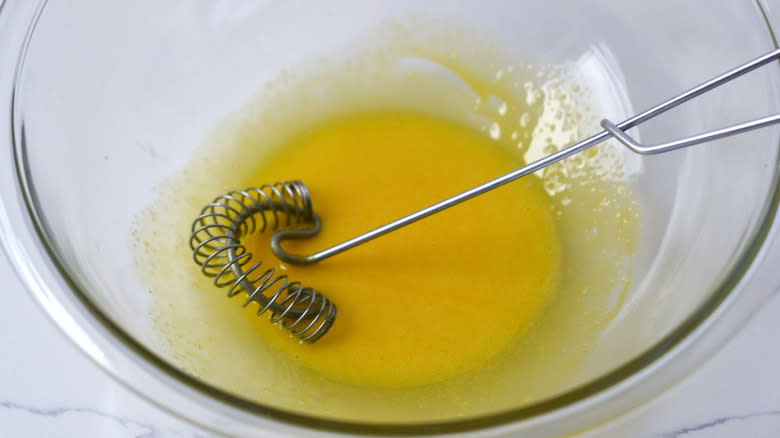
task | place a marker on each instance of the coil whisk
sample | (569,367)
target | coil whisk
(216,247)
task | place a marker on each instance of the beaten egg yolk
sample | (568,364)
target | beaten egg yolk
(437,298)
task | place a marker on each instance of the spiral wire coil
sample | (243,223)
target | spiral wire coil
(216,245)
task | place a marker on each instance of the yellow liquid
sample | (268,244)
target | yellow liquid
(432,300)
(506,318)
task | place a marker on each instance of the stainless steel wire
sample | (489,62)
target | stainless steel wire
(215,241)
(616,130)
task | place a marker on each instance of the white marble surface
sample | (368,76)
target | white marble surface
(49,389)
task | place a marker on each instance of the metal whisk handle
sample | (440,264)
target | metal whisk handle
(610,130)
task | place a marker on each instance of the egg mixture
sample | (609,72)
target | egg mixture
(439,297)
(486,306)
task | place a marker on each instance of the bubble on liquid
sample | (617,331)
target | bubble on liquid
(525,120)
(576,161)
(554,181)
(495,131)
(532,93)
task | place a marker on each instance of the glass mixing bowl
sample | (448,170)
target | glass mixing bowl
(104,100)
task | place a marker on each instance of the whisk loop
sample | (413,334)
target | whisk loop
(216,247)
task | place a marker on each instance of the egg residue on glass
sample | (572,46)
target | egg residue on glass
(486,306)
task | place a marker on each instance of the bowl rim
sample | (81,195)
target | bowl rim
(650,356)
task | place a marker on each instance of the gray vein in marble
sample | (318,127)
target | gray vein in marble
(138,430)
(717,422)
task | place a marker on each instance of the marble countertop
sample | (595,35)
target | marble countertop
(48,388)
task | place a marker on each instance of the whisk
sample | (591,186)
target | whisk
(218,230)
(217,249)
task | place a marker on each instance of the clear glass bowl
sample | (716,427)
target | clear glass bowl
(144,82)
